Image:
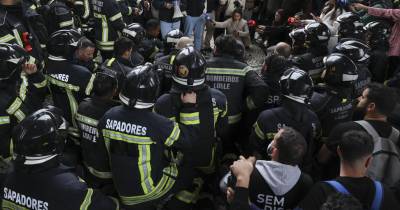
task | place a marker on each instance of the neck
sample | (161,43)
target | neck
(347,170)
(376,117)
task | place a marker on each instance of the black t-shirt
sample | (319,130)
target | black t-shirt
(362,189)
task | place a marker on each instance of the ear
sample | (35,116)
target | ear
(368,161)
(371,107)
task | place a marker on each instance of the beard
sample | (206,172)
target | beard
(359,113)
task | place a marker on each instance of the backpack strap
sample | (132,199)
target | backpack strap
(394,135)
(338,187)
(376,204)
(368,127)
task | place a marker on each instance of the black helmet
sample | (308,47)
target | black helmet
(296,85)
(106,80)
(63,43)
(317,33)
(339,70)
(141,87)
(135,32)
(171,39)
(298,37)
(40,136)
(357,51)
(377,33)
(148,49)
(189,70)
(11,59)
(350,26)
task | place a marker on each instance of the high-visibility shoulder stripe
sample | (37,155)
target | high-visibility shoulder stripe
(62,84)
(88,200)
(89,86)
(189,118)
(115,135)
(115,17)
(99,174)
(87,12)
(258,131)
(66,23)
(24,86)
(234,118)
(6,38)
(86,120)
(15,105)
(250,103)
(226,71)
(171,60)
(41,84)
(110,62)
(173,136)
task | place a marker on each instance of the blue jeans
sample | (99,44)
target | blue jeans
(167,27)
(195,24)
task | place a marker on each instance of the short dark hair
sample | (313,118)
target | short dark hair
(355,145)
(237,11)
(225,44)
(292,146)
(105,83)
(84,43)
(122,45)
(340,201)
(383,97)
(152,23)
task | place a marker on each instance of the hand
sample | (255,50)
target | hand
(242,169)
(230,195)
(29,68)
(188,98)
(358,6)
(318,19)
(168,5)
(236,33)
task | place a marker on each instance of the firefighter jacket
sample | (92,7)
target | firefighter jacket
(164,66)
(108,23)
(48,187)
(57,16)
(239,83)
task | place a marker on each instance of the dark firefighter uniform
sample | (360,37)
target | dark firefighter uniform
(312,61)
(164,65)
(108,22)
(57,16)
(136,140)
(126,10)
(51,187)
(90,111)
(21,24)
(69,85)
(82,10)
(121,66)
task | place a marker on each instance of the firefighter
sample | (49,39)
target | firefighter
(90,111)
(350,26)
(57,15)
(243,87)
(137,138)
(317,37)
(296,88)
(39,181)
(69,83)
(136,33)
(211,104)
(298,37)
(21,24)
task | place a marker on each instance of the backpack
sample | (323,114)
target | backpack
(385,165)
(376,204)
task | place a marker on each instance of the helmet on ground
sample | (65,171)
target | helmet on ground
(141,87)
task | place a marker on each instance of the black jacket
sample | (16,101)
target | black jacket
(167,14)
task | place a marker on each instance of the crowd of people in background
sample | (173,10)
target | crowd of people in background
(152,104)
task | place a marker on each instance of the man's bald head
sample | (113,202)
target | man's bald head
(283,49)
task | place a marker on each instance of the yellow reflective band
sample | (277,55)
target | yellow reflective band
(86,120)
(132,139)
(78,3)
(165,184)
(110,62)
(6,38)
(344,100)
(62,84)
(23,87)
(88,199)
(73,104)
(19,115)
(90,85)
(5,204)
(66,23)
(33,7)
(87,12)
(171,60)
(14,106)
(129,10)
(145,168)
(98,174)
(250,103)
(258,131)
(17,37)
(115,17)
(4,120)
(104,25)
(189,118)
(41,84)
(172,119)
(227,71)
(115,201)
(234,118)
(174,135)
